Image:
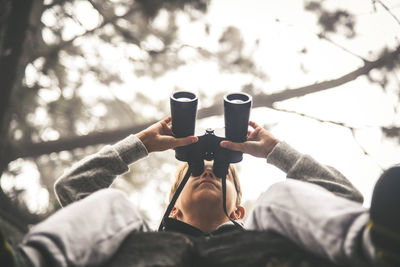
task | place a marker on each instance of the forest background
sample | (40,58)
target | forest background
(78,74)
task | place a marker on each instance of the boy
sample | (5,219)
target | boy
(88,232)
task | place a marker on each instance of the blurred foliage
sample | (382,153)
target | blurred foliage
(232,56)
(64,50)
(392,132)
(332,21)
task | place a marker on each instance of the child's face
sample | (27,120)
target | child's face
(205,192)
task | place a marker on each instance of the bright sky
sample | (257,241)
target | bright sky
(357,103)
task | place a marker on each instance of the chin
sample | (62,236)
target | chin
(210,197)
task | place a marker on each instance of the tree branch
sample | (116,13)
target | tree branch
(324,37)
(70,143)
(341,124)
(260,100)
(65,44)
(388,10)
(125,34)
(268,100)
(54,3)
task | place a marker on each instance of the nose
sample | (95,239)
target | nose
(208,173)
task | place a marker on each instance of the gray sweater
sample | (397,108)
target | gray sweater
(100,170)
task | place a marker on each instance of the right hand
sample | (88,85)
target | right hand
(158,137)
(259,142)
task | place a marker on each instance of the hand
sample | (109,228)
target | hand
(259,142)
(158,137)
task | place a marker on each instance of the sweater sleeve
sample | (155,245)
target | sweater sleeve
(305,168)
(99,170)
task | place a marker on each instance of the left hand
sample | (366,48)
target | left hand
(259,142)
(158,137)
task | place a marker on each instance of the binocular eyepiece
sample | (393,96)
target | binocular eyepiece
(237,108)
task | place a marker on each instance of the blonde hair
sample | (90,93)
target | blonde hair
(181,171)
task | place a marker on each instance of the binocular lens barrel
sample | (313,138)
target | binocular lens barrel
(183,112)
(237,112)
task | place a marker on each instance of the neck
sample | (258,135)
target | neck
(207,220)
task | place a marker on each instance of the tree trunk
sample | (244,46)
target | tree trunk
(14,21)
(14,18)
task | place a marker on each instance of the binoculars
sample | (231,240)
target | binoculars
(236,113)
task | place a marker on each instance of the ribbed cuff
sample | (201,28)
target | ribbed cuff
(36,259)
(283,156)
(131,149)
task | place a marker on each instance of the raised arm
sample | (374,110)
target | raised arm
(99,170)
(297,166)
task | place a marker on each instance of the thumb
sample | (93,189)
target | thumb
(233,146)
(183,141)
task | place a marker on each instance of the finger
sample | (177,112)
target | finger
(233,146)
(253,124)
(252,137)
(176,142)
(167,120)
(166,129)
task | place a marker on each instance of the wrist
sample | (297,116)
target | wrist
(271,145)
(144,138)
(131,149)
